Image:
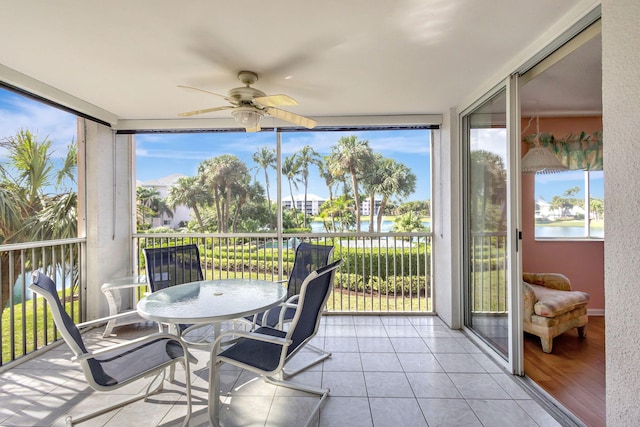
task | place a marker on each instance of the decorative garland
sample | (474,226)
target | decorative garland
(577,152)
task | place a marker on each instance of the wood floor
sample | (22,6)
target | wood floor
(574,373)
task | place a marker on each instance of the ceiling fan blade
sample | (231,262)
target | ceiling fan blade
(206,91)
(256,128)
(275,100)
(206,110)
(292,118)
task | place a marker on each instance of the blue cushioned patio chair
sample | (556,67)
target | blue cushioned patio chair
(308,258)
(110,368)
(266,350)
(176,265)
(173,265)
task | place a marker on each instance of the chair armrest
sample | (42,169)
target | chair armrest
(528,300)
(131,343)
(556,281)
(105,319)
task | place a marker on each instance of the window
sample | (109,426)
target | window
(38,171)
(175,169)
(569,205)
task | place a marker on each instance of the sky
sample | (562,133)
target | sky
(156,154)
(159,155)
(18,112)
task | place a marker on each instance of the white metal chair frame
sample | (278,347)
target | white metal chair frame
(84,357)
(278,337)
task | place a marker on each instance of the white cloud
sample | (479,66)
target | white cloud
(17,112)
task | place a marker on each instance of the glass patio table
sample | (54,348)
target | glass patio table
(211,301)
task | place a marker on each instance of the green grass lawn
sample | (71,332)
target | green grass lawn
(29,319)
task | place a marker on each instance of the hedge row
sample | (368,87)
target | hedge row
(399,285)
(384,262)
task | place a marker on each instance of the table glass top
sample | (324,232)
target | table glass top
(211,300)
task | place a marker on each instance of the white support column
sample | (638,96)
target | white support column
(446,222)
(108,211)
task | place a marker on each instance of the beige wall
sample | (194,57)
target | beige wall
(621,119)
(581,261)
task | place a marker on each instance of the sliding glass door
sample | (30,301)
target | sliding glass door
(490,218)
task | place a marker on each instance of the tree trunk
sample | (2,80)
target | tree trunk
(383,205)
(356,196)
(372,198)
(196,212)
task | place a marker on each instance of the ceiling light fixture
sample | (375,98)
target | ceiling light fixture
(249,117)
(539,159)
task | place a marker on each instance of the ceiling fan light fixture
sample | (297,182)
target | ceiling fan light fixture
(248,117)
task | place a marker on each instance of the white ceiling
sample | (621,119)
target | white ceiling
(335,57)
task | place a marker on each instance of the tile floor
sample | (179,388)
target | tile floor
(385,371)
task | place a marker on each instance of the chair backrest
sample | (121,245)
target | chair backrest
(45,287)
(308,258)
(172,265)
(313,297)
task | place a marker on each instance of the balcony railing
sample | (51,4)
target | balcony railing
(25,325)
(488,267)
(381,272)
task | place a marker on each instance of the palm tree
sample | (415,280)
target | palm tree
(291,169)
(186,191)
(325,173)
(398,181)
(144,200)
(265,157)
(351,156)
(27,211)
(225,177)
(372,180)
(341,208)
(160,208)
(306,157)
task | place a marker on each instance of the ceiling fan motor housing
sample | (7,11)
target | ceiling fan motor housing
(245,94)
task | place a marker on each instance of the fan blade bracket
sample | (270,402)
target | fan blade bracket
(275,100)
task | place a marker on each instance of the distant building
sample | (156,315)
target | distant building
(181,213)
(313,203)
(365,207)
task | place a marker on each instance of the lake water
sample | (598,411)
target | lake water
(17,287)
(385,227)
(571,232)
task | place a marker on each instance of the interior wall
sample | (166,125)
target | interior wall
(581,261)
(621,109)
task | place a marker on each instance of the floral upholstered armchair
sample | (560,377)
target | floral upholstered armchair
(552,308)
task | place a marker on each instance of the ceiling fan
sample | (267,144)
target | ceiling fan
(249,105)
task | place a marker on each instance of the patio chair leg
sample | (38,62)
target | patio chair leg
(70,421)
(323,354)
(214,395)
(322,392)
